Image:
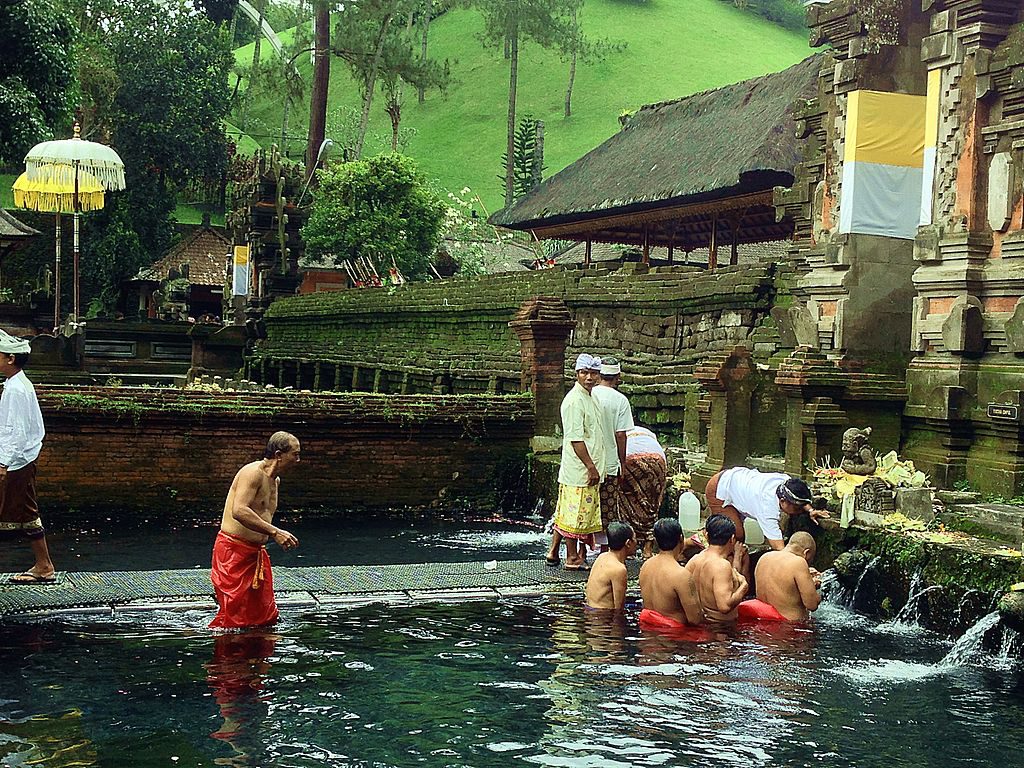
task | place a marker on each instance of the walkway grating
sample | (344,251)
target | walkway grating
(327,585)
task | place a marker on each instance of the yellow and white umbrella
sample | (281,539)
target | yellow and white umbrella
(50,194)
(72,164)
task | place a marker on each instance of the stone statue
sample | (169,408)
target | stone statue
(858,456)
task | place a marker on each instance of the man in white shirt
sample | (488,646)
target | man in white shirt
(21,438)
(616,420)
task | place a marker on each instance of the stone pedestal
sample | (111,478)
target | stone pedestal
(729,380)
(814,421)
(543,325)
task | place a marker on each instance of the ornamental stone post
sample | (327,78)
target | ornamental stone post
(543,325)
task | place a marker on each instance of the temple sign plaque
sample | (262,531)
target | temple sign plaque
(1004,412)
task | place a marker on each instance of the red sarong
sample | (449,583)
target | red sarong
(758,610)
(658,622)
(243,583)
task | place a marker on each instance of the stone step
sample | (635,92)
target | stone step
(1004,521)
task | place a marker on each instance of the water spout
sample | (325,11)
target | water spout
(910,613)
(972,645)
(860,581)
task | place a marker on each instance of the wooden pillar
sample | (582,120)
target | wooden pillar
(734,256)
(588,253)
(647,247)
(671,246)
(713,244)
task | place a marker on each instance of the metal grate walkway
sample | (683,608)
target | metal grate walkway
(139,590)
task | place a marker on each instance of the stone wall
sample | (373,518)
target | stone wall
(453,335)
(164,449)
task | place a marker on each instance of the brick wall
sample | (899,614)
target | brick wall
(132,448)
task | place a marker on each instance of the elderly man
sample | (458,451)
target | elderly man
(240,573)
(578,512)
(21,438)
(787,588)
(616,421)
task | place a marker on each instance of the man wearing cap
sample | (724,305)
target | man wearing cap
(578,512)
(21,438)
(616,421)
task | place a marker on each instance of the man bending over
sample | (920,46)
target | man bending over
(606,587)
(241,567)
(720,585)
(669,595)
(784,579)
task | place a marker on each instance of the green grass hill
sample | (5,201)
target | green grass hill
(673,48)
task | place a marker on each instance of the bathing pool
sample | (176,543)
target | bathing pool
(531,682)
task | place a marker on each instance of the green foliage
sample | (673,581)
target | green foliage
(788,14)
(524,159)
(36,74)
(381,208)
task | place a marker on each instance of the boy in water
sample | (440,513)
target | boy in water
(606,587)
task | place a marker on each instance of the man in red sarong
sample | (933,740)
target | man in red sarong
(241,573)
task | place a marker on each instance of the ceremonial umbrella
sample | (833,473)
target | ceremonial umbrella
(65,162)
(58,197)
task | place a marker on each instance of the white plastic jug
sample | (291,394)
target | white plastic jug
(689,513)
(754,534)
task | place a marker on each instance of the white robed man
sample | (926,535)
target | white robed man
(616,421)
(578,512)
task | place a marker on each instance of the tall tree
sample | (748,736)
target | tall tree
(428,11)
(37,71)
(321,81)
(578,47)
(544,22)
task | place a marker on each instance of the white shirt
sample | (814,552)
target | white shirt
(581,422)
(616,416)
(21,423)
(753,494)
(642,440)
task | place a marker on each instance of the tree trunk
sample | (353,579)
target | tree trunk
(284,126)
(371,83)
(513,73)
(395,113)
(572,79)
(259,36)
(321,79)
(421,92)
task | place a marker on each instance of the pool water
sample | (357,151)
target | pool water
(495,683)
(154,543)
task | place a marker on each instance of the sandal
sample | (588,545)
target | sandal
(580,567)
(33,578)
(553,561)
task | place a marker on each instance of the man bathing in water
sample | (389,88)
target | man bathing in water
(241,573)
(720,585)
(784,579)
(606,587)
(669,594)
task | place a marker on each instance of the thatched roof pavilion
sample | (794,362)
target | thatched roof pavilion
(697,172)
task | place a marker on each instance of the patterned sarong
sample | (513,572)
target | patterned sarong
(243,583)
(19,511)
(578,514)
(638,499)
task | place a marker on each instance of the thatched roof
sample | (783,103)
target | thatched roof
(733,140)
(12,229)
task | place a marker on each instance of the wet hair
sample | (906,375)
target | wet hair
(618,535)
(667,532)
(795,491)
(720,529)
(804,542)
(279,441)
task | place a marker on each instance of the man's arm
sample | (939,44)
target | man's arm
(243,513)
(619,589)
(808,593)
(686,591)
(727,596)
(593,476)
(620,446)
(776,544)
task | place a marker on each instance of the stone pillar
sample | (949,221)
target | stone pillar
(543,325)
(729,379)
(814,422)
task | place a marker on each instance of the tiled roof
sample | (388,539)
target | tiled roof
(204,250)
(12,229)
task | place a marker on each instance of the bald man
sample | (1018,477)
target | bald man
(784,579)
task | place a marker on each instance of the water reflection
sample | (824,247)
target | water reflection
(236,674)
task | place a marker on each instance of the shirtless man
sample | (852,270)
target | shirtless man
(241,573)
(720,585)
(785,581)
(606,587)
(669,594)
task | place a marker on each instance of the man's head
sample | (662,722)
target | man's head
(668,533)
(720,529)
(803,544)
(611,371)
(588,370)
(14,353)
(282,447)
(794,496)
(620,535)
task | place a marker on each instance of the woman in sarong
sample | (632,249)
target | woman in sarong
(641,492)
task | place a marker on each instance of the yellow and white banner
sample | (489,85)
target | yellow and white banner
(931,140)
(883,165)
(241,273)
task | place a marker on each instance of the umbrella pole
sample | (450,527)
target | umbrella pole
(56,280)
(77,316)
